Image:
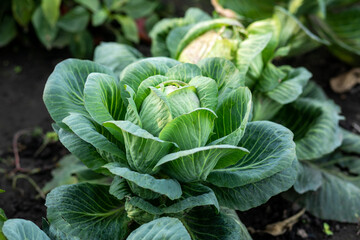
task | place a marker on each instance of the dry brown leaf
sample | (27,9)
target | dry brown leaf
(222,11)
(281,227)
(345,81)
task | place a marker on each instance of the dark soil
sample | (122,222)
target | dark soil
(23,73)
(307,228)
(21,198)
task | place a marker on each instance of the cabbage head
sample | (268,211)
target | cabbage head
(177,141)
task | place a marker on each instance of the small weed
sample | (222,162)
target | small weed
(17,69)
(326,229)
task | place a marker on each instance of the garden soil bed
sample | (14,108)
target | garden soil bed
(23,73)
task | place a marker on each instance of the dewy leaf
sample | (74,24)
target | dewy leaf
(64,90)
(315,127)
(143,150)
(190,130)
(183,72)
(81,149)
(233,112)
(45,32)
(271,150)
(51,10)
(76,20)
(195,164)
(159,229)
(102,98)
(169,187)
(88,131)
(87,211)
(254,194)
(205,224)
(292,86)
(138,71)
(20,229)
(116,56)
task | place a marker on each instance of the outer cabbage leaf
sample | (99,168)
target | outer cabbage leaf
(315,126)
(64,90)
(254,194)
(20,229)
(116,56)
(338,196)
(195,164)
(340,28)
(204,224)
(162,228)
(143,150)
(271,151)
(87,211)
(102,98)
(169,187)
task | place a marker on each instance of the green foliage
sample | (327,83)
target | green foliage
(60,23)
(335,178)
(19,229)
(281,94)
(334,22)
(327,230)
(177,141)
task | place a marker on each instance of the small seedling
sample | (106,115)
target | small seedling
(327,230)
(17,69)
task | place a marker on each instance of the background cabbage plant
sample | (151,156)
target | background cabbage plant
(177,140)
(280,93)
(334,21)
